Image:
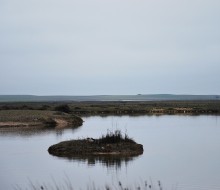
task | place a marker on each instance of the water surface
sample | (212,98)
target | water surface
(178,150)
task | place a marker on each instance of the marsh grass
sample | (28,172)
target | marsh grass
(115,137)
(49,122)
(67,185)
(63,108)
(103,108)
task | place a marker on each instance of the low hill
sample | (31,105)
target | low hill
(140,97)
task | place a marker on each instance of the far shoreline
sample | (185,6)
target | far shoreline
(104,108)
(59,115)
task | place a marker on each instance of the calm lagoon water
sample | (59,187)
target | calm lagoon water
(180,151)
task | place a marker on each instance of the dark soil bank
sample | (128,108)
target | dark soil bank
(88,147)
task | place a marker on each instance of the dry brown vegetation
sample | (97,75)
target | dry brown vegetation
(121,107)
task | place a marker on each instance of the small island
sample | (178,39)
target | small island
(113,143)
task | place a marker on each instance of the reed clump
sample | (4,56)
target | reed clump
(115,137)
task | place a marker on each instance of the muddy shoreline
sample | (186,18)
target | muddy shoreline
(37,119)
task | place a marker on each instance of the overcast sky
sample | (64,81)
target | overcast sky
(88,47)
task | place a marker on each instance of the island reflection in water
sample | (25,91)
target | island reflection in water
(109,161)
